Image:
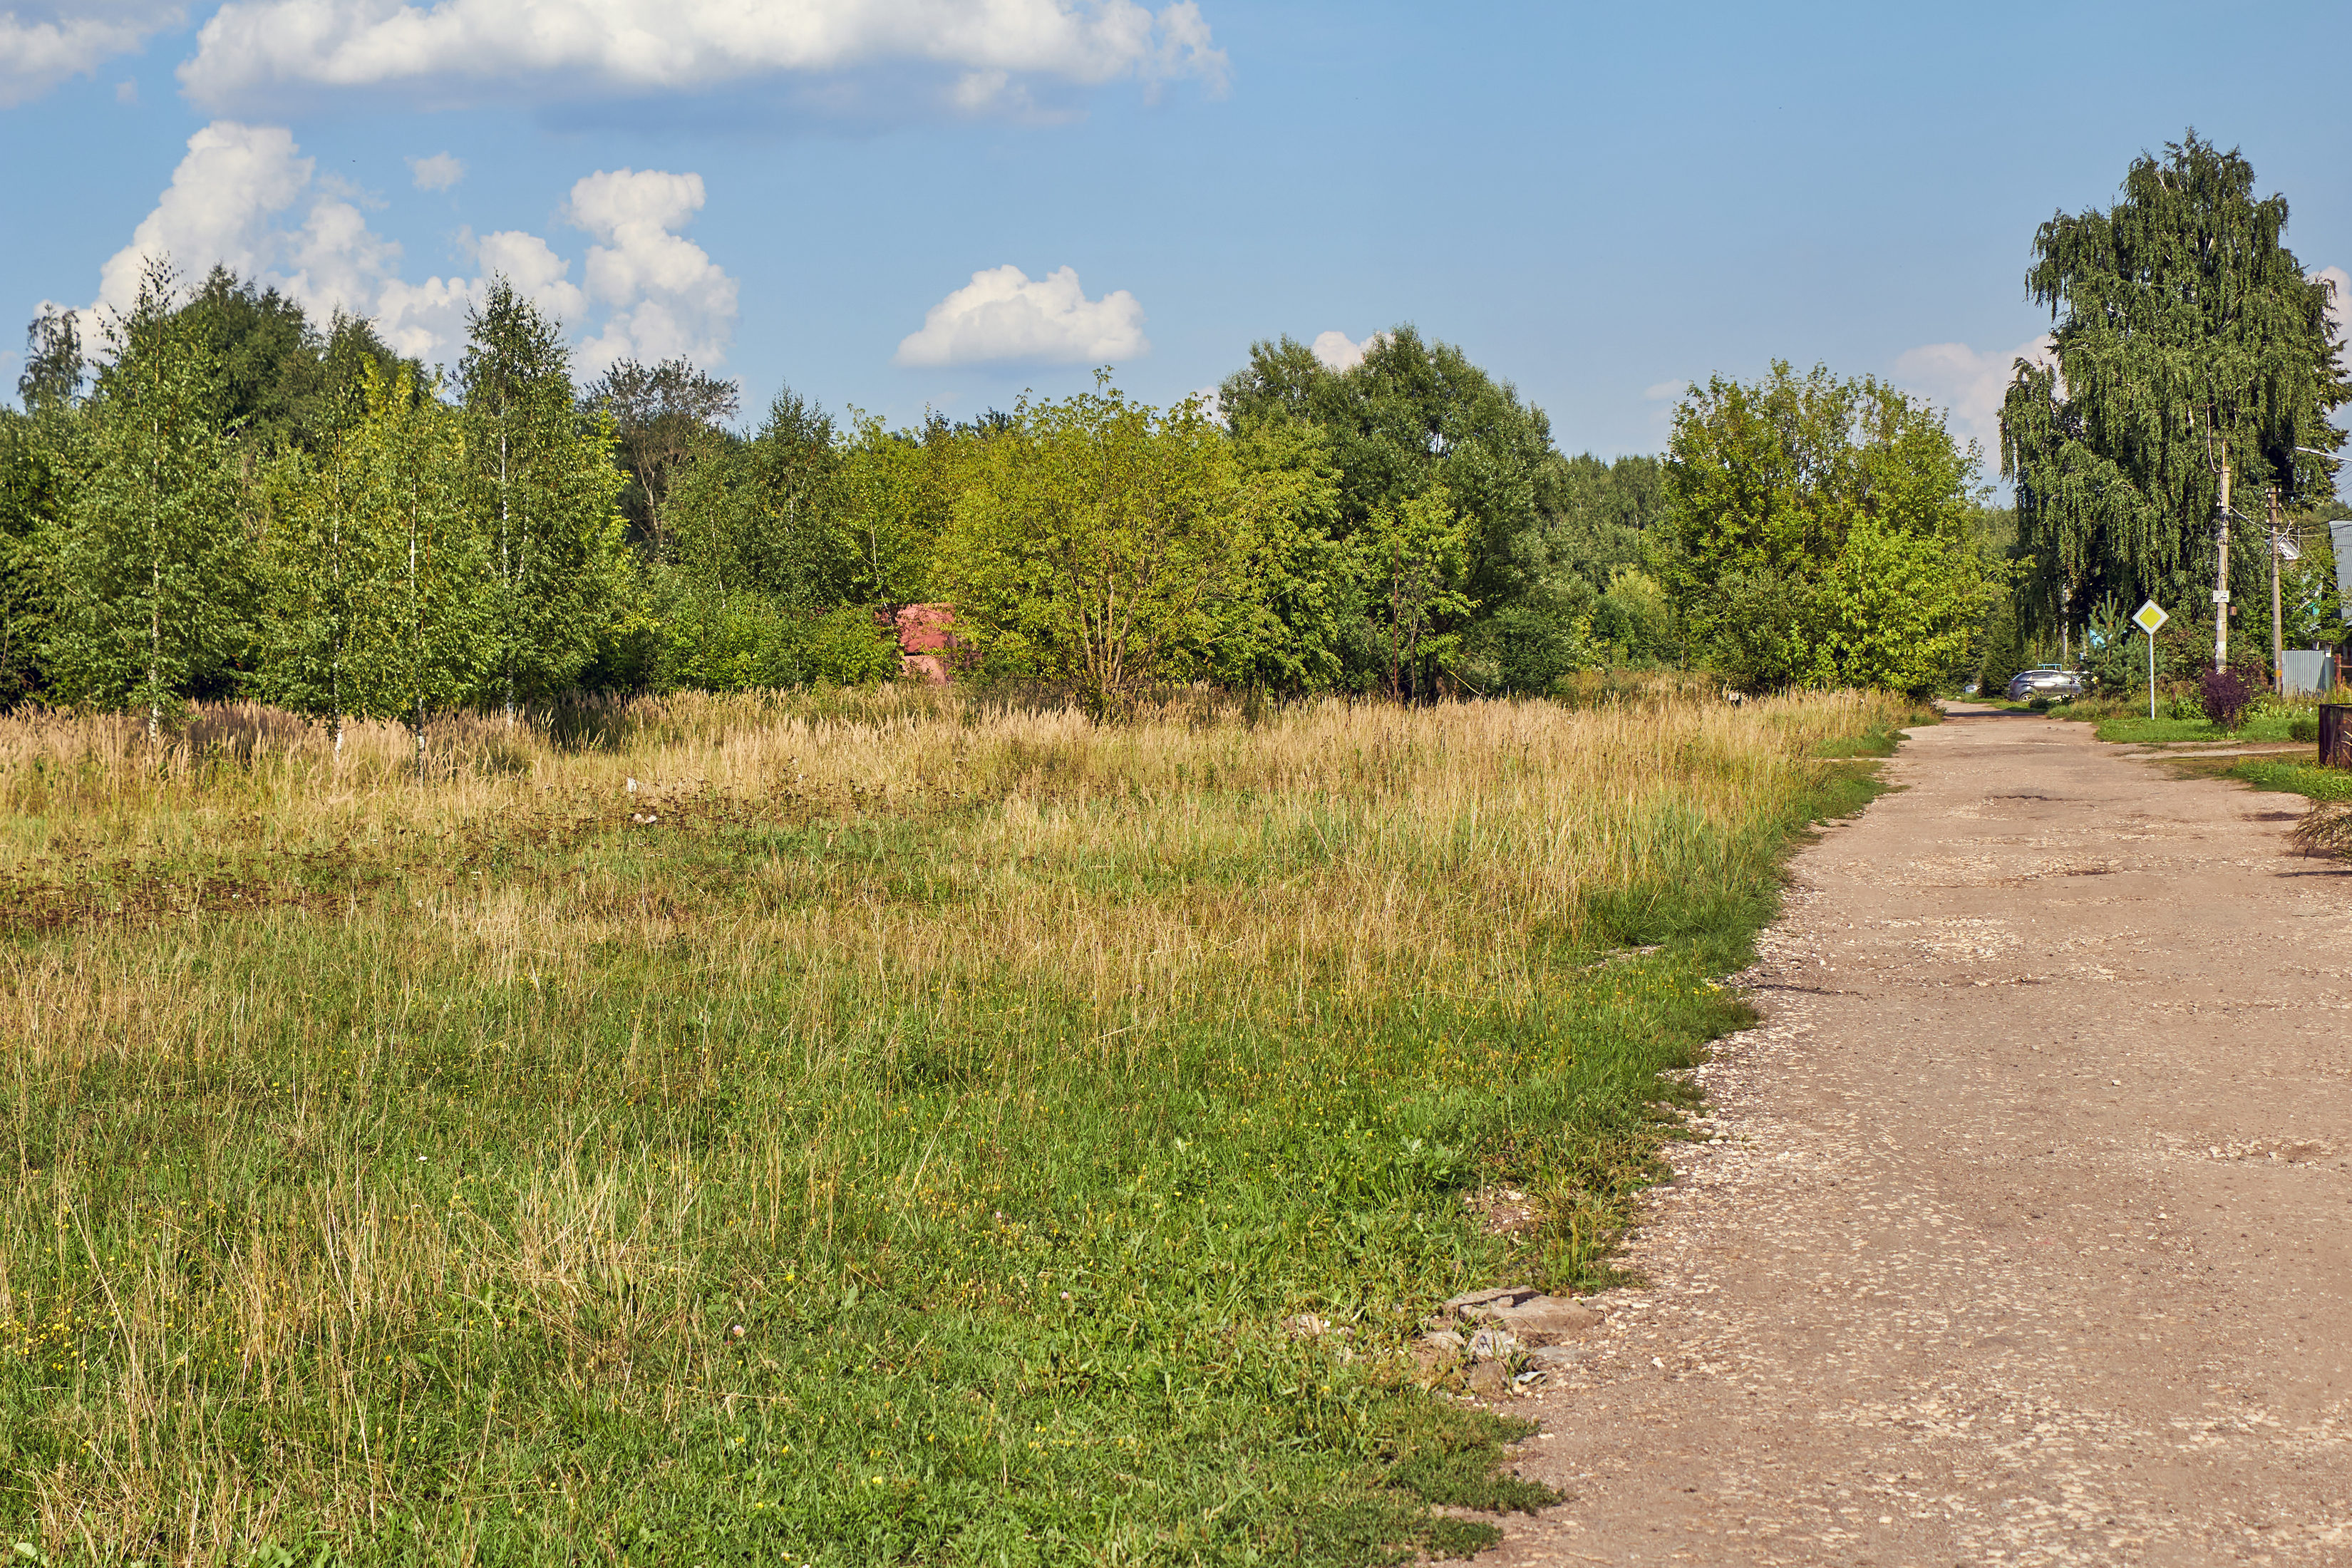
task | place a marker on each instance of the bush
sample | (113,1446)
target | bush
(2302,727)
(709,641)
(2224,695)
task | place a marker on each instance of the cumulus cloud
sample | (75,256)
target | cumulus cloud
(437,173)
(1340,352)
(668,298)
(1001,315)
(223,205)
(451,50)
(244,197)
(42,45)
(1954,376)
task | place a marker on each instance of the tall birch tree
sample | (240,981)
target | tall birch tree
(423,636)
(2187,336)
(545,486)
(152,564)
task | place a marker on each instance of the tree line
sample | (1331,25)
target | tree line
(243,502)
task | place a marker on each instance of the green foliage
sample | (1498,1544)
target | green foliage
(1416,418)
(2186,334)
(51,380)
(1895,609)
(37,473)
(1415,555)
(544,491)
(1097,541)
(423,634)
(283,387)
(892,498)
(663,418)
(151,569)
(1288,631)
(760,513)
(312,560)
(712,639)
(1820,534)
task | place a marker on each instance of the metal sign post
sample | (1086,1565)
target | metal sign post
(2150,619)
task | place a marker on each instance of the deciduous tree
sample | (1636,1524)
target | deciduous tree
(2187,336)
(1819,534)
(152,567)
(1416,556)
(423,633)
(664,416)
(1096,541)
(545,488)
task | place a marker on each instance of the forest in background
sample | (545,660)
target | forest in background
(242,502)
(246,502)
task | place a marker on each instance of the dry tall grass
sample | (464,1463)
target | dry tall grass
(352,1116)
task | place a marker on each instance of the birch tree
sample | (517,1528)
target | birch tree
(151,569)
(2187,337)
(421,633)
(544,485)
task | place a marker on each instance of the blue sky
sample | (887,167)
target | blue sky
(877,200)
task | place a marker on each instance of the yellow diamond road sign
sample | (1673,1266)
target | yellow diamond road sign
(2149,619)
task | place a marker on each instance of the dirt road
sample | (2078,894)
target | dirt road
(2028,1236)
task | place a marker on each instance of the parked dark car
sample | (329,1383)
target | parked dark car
(2044,681)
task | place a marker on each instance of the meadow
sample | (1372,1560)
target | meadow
(837,1128)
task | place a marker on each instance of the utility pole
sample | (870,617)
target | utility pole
(2278,644)
(2222,572)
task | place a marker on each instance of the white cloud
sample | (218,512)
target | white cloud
(221,207)
(668,298)
(127,92)
(437,173)
(244,197)
(1954,376)
(41,46)
(1663,389)
(452,50)
(1337,351)
(1001,315)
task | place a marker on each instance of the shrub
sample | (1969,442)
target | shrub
(2302,727)
(2224,695)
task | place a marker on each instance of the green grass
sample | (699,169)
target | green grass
(2142,730)
(906,1147)
(2293,776)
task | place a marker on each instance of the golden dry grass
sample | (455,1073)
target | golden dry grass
(358,1123)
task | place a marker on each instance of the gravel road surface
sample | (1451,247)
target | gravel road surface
(2025,1235)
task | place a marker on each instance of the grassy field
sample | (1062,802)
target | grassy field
(833,1131)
